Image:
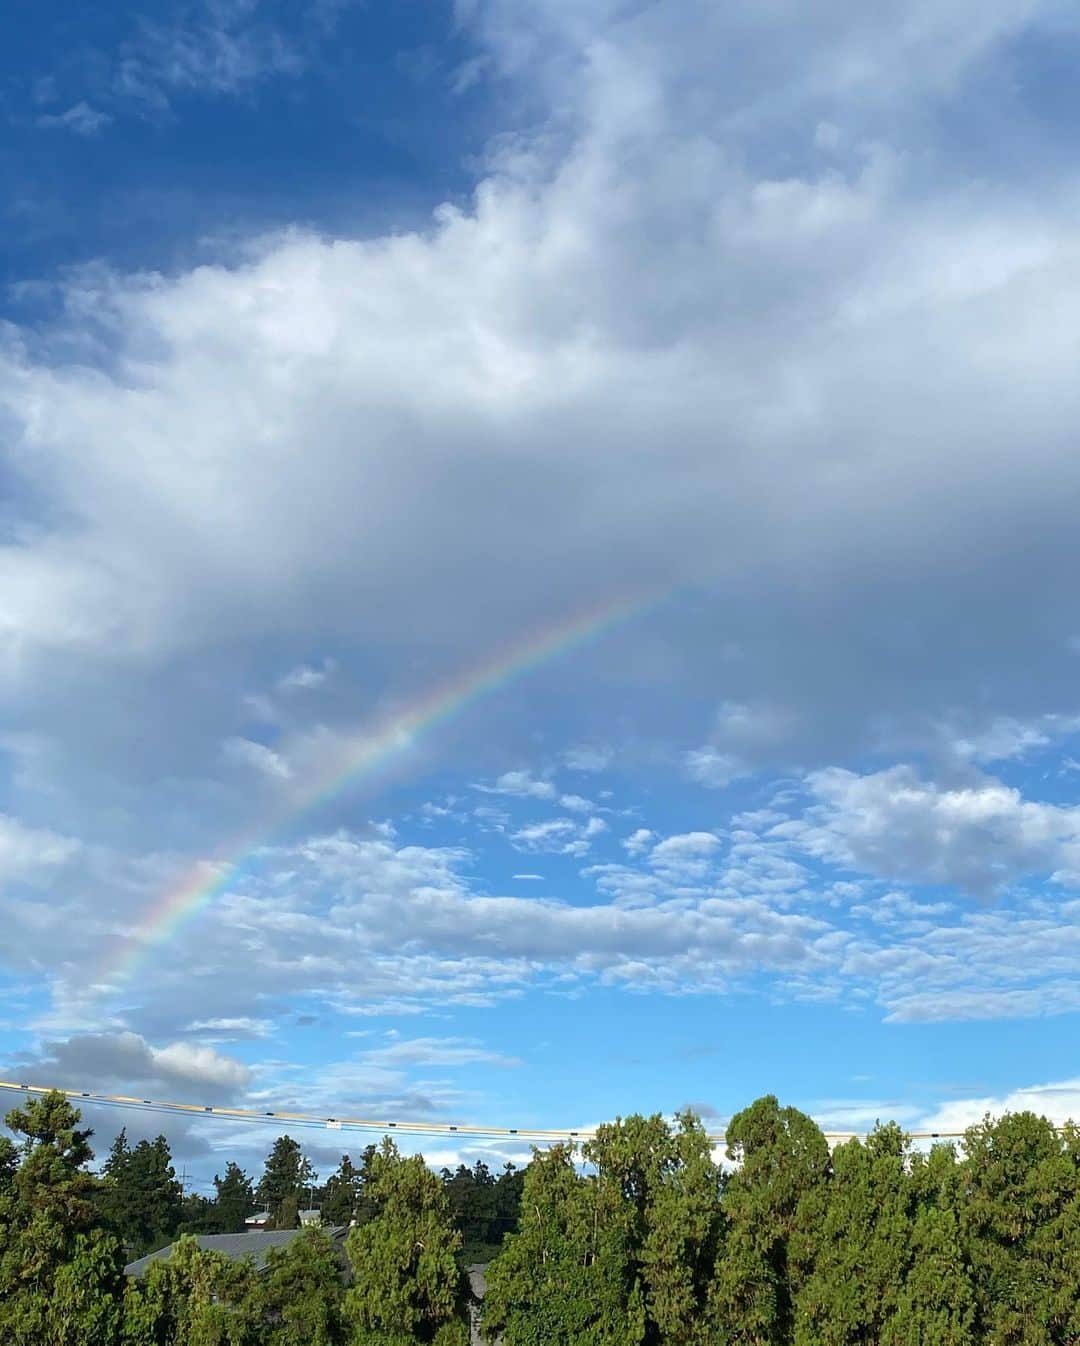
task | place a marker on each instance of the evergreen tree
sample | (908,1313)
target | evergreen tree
(194,1298)
(937,1301)
(1019,1223)
(86,1304)
(303,1293)
(682,1239)
(286,1175)
(140,1198)
(566,1277)
(235,1200)
(773,1203)
(340,1197)
(46,1207)
(408,1287)
(863,1244)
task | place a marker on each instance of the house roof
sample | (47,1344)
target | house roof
(254,1245)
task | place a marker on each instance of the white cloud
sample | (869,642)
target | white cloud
(559,836)
(638,841)
(442,1052)
(231,1029)
(576,804)
(32,853)
(1058,1101)
(221,48)
(98,1061)
(523,784)
(979,838)
(588,757)
(712,768)
(249,753)
(81,118)
(306,677)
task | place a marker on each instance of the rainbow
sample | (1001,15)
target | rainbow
(357,759)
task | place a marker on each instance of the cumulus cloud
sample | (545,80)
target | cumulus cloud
(553,313)
(645,356)
(523,784)
(31,852)
(100,1061)
(1058,1101)
(894,824)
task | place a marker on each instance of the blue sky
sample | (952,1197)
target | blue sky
(346,345)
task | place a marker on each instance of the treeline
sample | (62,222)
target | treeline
(638,1237)
(142,1202)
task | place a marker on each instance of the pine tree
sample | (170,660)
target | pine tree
(340,1196)
(1018,1216)
(46,1208)
(235,1200)
(682,1239)
(284,1178)
(140,1198)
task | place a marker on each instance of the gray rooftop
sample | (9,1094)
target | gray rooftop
(254,1245)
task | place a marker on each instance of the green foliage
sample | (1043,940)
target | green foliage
(235,1200)
(567,1276)
(303,1293)
(140,1199)
(774,1201)
(340,1197)
(46,1205)
(638,1240)
(282,1186)
(863,1245)
(194,1298)
(1020,1227)
(408,1286)
(484,1208)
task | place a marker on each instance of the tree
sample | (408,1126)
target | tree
(86,1304)
(682,1238)
(194,1298)
(773,1204)
(566,1277)
(235,1199)
(863,1245)
(303,1293)
(340,1197)
(284,1178)
(140,1198)
(408,1286)
(47,1209)
(1020,1227)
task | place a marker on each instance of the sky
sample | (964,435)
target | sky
(537,560)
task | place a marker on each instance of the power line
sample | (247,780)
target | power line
(369,1125)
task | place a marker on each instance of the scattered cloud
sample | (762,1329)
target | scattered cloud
(522,784)
(80,118)
(306,677)
(898,826)
(246,752)
(99,1061)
